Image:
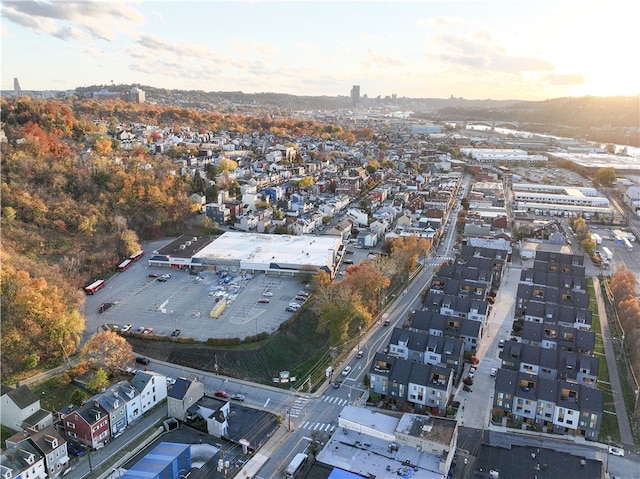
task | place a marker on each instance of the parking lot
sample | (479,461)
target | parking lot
(185,302)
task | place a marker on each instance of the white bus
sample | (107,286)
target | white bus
(296,465)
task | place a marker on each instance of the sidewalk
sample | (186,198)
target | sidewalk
(621,411)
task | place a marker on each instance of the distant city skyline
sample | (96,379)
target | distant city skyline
(526,50)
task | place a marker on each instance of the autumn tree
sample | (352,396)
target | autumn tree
(108,349)
(369,282)
(405,252)
(339,307)
(606,176)
(129,242)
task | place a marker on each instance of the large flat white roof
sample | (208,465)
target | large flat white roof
(256,251)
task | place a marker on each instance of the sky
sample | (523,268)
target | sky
(509,49)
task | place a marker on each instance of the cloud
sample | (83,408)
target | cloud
(441,22)
(480,51)
(63,19)
(565,78)
(382,60)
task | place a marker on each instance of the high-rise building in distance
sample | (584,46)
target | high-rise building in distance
(355,95)
(16,87)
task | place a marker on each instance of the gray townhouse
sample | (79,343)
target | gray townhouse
(468,330)
(552,405)
(457,306)
(426,348)
(553,364)
(544,303)
(574,279)
(484,258)
(465,288)
(182,395)
(554,336)
(116,408)
(425,387)
(456,271)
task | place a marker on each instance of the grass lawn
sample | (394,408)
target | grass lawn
(609,431)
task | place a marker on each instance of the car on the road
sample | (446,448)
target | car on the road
(294,305)
(290,309)
(75,449)
(493,372)
(176,333)
(360,354)
(103,307)
(163,277)
(140,330)
(387,322)
(237,397)
(153,275)
(472,371)
(303,293)
(300,298)
(267,293)
(142,360)
(263,300)
(125,328)
(147,331)
(221,394)
(346,371)
(336,384)
(501,343)
(616,451)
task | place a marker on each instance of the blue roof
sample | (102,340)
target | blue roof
(342,474)
(159,459)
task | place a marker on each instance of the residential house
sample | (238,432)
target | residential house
(358,216)
(553,364)
(50,444)
(468,330)
(557,406)
(457,306)
(182,395)
(426,387)
(366,239)
(22,461)
(132,399)
(554,336)
(116,407)
(218,212)
(214,412)
(88,424)
(152,387)
(343,229)
(426,348)
(21,409)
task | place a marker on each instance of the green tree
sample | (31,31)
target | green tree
(99,379)
(31,361)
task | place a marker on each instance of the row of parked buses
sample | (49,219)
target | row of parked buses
(98,284)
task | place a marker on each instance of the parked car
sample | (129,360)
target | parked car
(263,300)
(303,293)
(147,331)
(290,309)
(300,298)
(164,277)
(153,275)
(387,322)
(501,343)
(468,380)
(75,449)
(616,451)
(142,360)
(472,371)
(125,328)
(267,293)
(336,384)
(176,333)
(346,371)
(237,397)
(294,304)
(140,330)
(493,372)
(221,394)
